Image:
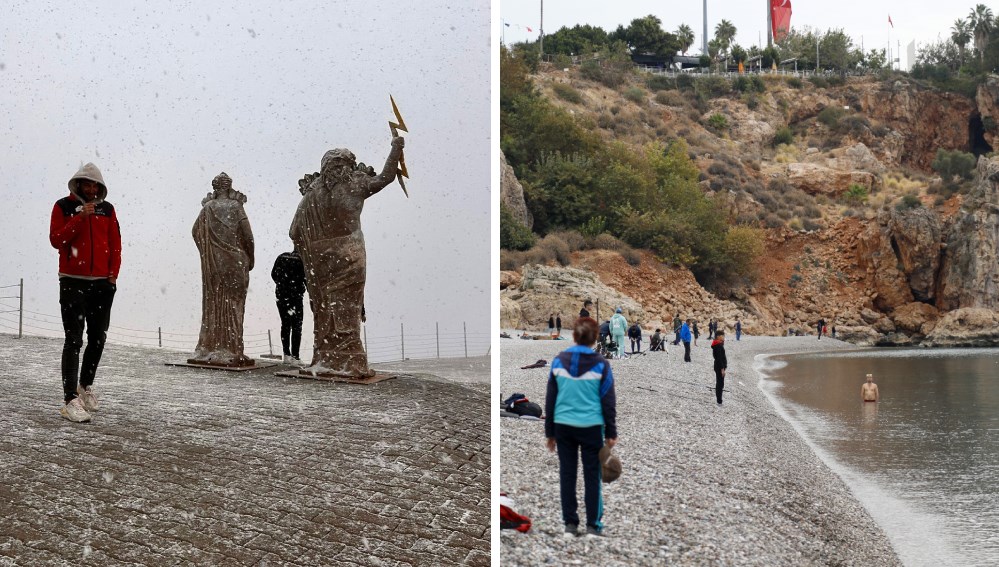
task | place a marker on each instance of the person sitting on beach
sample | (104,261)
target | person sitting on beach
(869,391)
(656,342)
(580,413)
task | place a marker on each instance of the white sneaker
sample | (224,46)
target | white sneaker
(295,361)
(74,411)
(87,397)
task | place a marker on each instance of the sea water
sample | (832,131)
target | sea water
(924,460)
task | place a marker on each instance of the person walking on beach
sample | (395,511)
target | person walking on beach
(84,229)
(822,327)
(580,413)
(685,337)
(618,328)
(558,325)
(551,325)
(738,329)
(585,311)
(696,333)
(869,390)
(288,274)
(721,364)
(676,328)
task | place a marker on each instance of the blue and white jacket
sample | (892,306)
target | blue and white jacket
(581,392)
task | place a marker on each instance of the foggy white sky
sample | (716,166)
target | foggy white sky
(164,96)
(918,20)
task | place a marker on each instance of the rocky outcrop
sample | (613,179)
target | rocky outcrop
(857,157)
(930,119)
(916,318)
(816,179)
(970,272)
(509,279)
(512,194)
(987,100)
(547,290)
(901,253)
(967,327)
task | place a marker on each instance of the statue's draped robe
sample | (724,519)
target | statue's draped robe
(335,271)
(222,233)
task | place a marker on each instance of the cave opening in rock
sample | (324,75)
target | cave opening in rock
(976,136)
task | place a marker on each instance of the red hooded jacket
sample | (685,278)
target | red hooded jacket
(89,247)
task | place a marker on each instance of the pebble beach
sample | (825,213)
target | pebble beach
(702,484)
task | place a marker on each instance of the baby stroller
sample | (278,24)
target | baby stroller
(608,349)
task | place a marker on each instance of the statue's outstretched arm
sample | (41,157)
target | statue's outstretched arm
(380,181)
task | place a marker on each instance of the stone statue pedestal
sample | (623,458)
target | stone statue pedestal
(327,377)
(195,363)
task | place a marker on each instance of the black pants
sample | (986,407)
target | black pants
(719,384)
(570,441)
(291,311)
(636,342)
(85,304)
(686,351)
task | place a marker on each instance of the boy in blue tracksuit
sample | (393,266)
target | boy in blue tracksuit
(580,411)
(685,337)
(618,328)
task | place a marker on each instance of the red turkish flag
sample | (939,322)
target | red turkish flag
(780,18)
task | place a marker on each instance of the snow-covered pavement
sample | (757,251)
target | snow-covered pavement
(188,466)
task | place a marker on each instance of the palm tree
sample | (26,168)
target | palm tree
(961,35)
(686,36)
(724,33)
(982,23)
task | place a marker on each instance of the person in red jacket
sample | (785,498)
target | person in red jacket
(85,230)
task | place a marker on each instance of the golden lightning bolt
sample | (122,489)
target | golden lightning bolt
(395,127)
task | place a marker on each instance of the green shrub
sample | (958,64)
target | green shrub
(757,83)
(783,136)
(741,84)
(665,98)
(794,83)
(594,226)
(793,282)
(635,94)
(567,93)
(856,194)
(684,81)
(908,202)
(513,235)
(609,75)
(819,82)
(660,83)
(950,164)
(830,116)
(713,87)
(752,101)
(553,247)
(718,122)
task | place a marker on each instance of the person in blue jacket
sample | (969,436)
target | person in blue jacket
(685,337)
(580,413)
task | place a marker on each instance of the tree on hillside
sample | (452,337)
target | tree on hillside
(686,36)
(725,33)
(739,54)
(961,35)
(982,24)
(876,59)
(646,35)
(834,48)
(576,40)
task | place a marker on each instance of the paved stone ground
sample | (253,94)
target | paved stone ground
(184,466)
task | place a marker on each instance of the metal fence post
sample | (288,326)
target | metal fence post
(270,344)
(464,332)
(402,339)
(437,326)
(20,317)
(159,334)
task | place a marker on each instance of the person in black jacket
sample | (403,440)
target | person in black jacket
(721,363)
(289,279)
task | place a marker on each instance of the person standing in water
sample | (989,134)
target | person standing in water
(869,390)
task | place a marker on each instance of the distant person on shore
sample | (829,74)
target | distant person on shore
(551,325)
(558,324)
(657,341)
(580,412)
(685,337)
(834,331)
(288,274)
(677,323)
(822,327)
(712,327)
(585,311)
(869,390)
(618,329)
(604,331)
(695,332)
(738,329)
(84,229)
(721,364)
(635,334)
